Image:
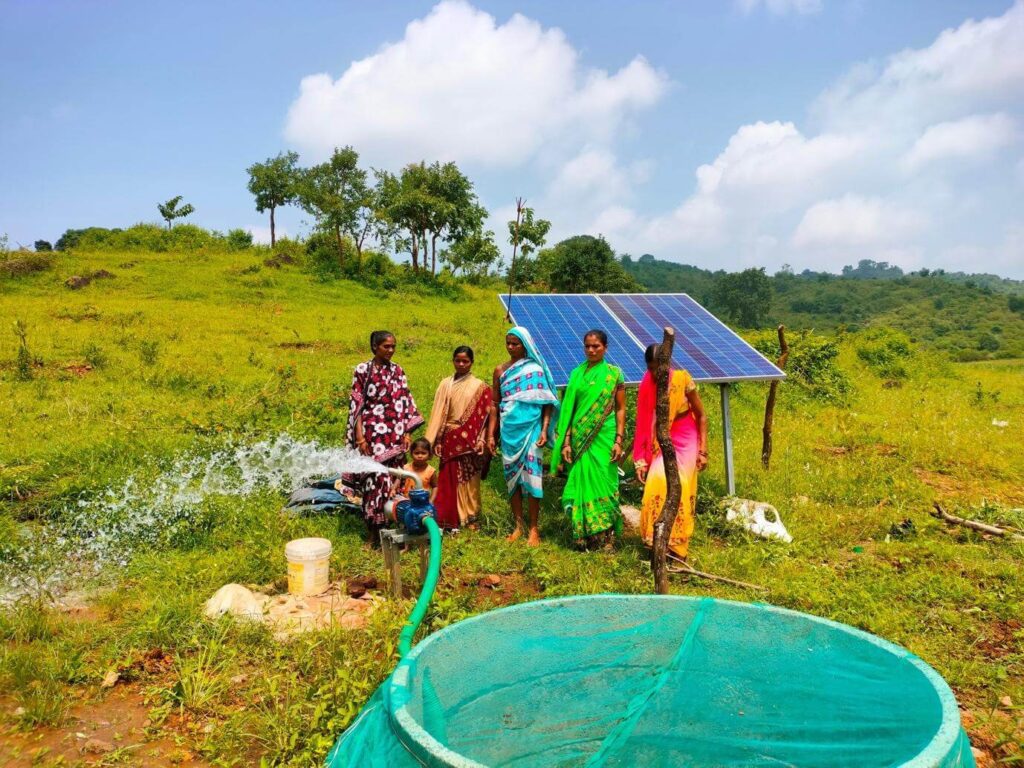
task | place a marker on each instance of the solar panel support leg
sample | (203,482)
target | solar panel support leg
(730,479)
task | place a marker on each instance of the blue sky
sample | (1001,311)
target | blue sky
(759,132)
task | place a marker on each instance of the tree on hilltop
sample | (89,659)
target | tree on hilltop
(170,210)
(428,204)
(272,183)
(336,193)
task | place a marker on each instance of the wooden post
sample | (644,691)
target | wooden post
(730,478)
(769,407)
(520,206)
(667,518)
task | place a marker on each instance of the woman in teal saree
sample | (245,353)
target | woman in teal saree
(588,441)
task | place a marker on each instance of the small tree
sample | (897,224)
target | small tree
(273,184)
(525,235)
(43,246)
(473,255)
(170,210)
(336,193)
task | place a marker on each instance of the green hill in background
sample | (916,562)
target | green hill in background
(970,317)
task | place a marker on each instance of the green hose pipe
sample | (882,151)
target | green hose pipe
(426,592)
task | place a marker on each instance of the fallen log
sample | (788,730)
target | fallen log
(975,525)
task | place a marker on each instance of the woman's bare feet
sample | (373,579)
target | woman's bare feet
(534,538)
(515,535)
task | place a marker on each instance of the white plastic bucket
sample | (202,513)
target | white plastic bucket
(308,566)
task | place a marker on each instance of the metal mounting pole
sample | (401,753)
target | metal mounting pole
(730,480)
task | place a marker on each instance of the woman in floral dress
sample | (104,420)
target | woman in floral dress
(382,416)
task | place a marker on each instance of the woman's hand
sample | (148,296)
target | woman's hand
(406,441)
(641,471)
(702,461)
(616,452)
(364,448)
(543,439)
(567,452)
(479,447)
(492,445)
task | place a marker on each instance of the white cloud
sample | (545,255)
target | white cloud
(853,221)
(780,7)
(966,69)
(460,86)
(972,138)
(879,160)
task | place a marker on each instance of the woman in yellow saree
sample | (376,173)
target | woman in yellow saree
(689,431)
(588,440)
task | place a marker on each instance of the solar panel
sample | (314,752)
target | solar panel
(558,322)
(704,345)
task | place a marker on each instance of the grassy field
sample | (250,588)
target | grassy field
(179,355)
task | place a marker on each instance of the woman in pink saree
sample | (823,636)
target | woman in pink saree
(689,431)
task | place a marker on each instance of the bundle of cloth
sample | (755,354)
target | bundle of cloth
(337,493)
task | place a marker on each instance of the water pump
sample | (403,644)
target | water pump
(413,511)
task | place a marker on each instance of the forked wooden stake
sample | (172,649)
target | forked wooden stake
(667,518)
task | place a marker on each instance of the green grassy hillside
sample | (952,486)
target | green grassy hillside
(179,354)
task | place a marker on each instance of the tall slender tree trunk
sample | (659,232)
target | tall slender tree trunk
(273,239)
(520,204)
(415,253)
(341,248)
(433,255)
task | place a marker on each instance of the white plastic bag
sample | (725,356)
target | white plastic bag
(758,517)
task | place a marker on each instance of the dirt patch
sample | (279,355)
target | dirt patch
(981,485)
(1000,639)
(494,590)
(317,345)
(113,729)
(278,260)
(996,736)
(833,450)
(77,369)
(76,282)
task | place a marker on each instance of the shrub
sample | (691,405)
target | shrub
(238,239)
(811,368)
(42,246)
(22,263)
(886,351)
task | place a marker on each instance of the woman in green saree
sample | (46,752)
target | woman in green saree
(588,441)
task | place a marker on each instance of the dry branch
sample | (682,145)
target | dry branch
(685,567)
(674,492)
(769,407)
(993,530)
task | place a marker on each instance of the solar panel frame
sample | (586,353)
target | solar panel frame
(576,313)
(698,332)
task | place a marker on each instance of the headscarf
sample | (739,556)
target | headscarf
(534,356)
(532,353)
